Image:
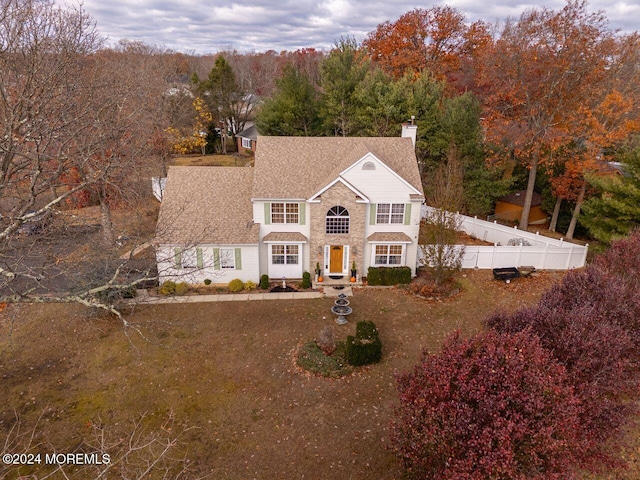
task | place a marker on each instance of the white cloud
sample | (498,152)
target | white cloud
(260,25)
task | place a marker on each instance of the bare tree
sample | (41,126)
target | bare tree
(65,112)
(441,254)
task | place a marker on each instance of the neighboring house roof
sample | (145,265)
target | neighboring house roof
(207,205)
(250,133)
(517,198)
(299,167)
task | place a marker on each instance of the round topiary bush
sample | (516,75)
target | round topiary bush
(207,281)
(264,282)
(236,285)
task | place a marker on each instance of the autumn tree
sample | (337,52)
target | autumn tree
(493,406)
(537,76)
(436,39)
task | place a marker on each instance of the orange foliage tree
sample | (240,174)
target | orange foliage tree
(436,39)
(546,84)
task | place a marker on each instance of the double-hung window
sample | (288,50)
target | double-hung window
(227,259)
(246,142)
(285,213)
(388,255)
(284,254)
(390,213)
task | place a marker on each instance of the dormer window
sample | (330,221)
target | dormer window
(337,220)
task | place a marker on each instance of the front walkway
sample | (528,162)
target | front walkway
(143,296)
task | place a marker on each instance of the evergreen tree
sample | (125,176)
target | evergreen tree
(342,72)
(614,213)
(293,110)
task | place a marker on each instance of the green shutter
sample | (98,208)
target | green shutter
(216,259)
(238,254)
(372,214)
(267,213)
(200,263)
(177,257)
(301,212)
(407,214)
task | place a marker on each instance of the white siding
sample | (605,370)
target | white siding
(267,227)
(207,266)
(380,185)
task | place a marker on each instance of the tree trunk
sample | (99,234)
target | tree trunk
(108,236)
(524,219)
(576,212)
(556,214)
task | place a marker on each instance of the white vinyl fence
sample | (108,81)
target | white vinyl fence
(514,248)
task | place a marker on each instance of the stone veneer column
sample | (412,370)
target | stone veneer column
(337,195)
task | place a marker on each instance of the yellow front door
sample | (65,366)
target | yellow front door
(335,259)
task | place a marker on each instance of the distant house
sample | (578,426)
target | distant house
(510,208)
(247,139)
(331,201)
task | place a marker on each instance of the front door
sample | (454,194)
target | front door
(335,258)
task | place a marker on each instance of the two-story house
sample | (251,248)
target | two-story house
(327,201)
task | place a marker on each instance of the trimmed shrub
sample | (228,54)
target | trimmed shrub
(207,281)
(365,348)
(493,406)
(306,280)
(249,285)
(236,285)
(264,282)
(182,288)
(388,275)
(167,288)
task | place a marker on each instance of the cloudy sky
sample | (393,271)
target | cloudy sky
(206,26)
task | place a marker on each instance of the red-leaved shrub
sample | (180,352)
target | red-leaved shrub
(494,406)
(588,323)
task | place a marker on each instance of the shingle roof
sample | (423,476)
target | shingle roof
(399,237)
(298,167)
(517,198)
(285,237)
(207,205)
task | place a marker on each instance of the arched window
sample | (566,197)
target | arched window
(368,166)
(337,220)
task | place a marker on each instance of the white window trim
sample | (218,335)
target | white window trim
(388,245)
(246,142)
(227,259)
(389,215)
(285,253)
(287,215)
(337,225)
(189,258)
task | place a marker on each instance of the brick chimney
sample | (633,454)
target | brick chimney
(410,130)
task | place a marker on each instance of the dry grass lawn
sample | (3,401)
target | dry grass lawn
(226,372)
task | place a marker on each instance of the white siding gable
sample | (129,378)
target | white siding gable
(377,181)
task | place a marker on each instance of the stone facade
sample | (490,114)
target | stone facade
(338,195)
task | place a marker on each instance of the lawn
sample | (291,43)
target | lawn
(224,374)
